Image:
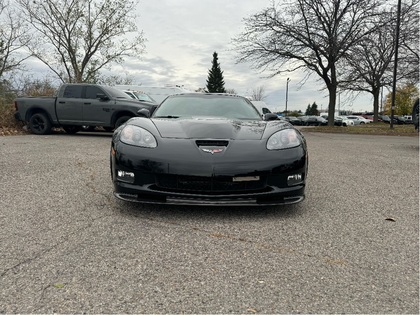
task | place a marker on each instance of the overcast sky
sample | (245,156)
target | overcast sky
(181,36)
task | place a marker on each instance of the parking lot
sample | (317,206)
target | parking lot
(68,246)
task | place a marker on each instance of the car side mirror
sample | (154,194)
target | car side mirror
(270,116)
(143,112)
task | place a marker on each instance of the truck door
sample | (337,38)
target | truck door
(96,110)
(69,106)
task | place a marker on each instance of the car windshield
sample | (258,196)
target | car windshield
(207,105)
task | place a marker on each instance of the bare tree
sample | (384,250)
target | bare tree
(369,64)
(13,38)
(313,35)
(76,39)
(409,42)
(258,93)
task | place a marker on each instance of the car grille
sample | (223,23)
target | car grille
(208,184)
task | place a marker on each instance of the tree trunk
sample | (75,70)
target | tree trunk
(331,105)
(376,104)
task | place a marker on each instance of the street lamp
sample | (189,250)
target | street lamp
(287,93)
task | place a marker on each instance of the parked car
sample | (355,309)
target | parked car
(158,93)
(401,120)
(385,118)
(141,96)
(358,120)
(397,120)
(293,120)
(315,121)
(208,149)
(345,122)
(78,106)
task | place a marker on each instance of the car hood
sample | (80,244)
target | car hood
(200,128)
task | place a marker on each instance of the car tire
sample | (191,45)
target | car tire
(71,129)
(39,124)
(121,121)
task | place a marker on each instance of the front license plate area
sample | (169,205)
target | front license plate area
(245,178)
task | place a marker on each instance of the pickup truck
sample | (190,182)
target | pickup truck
(77,105)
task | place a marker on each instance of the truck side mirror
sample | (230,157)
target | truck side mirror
(102,97)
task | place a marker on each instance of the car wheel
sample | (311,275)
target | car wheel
(121,121)
(71,129)
(362,123)
(40,124)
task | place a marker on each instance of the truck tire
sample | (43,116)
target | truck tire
(71,129)
(121,121)
(39,124)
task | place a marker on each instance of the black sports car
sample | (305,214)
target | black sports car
(208,149)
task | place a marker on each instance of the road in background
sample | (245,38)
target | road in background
(68,246)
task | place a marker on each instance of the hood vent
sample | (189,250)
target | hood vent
(212,143)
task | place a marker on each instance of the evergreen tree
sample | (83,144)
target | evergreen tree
(215,82)
(312,110)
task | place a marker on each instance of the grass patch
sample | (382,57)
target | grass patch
(379,128)
(8,124)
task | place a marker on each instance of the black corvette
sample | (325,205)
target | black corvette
(208,149)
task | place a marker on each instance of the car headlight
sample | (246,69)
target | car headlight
(137,136)
(284,139)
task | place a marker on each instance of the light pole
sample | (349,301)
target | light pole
(287,93)
(394,83)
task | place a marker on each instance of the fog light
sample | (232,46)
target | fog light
(294,179)
(124,176)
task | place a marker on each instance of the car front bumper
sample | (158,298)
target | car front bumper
(192,178)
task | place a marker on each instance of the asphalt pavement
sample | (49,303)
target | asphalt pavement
(68,246)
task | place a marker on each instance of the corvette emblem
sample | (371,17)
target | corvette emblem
(212,151)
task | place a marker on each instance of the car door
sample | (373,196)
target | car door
(96,109)
(69,106)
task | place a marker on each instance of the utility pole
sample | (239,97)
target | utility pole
(394,83)
(287,94)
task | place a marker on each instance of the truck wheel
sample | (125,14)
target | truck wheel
(71,129)
(121,121)
(40,124)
